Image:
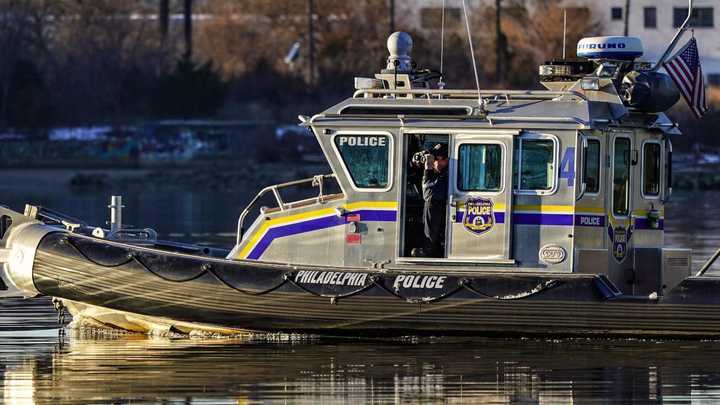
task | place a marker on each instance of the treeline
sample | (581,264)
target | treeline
(71,62)
(74,62)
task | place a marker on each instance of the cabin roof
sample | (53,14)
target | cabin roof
(526,109)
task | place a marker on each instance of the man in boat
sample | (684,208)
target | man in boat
(435,193)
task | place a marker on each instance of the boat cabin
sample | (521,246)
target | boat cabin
(571,179)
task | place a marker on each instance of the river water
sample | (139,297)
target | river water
(38,364)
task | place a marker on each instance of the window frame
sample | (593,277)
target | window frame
(628,196)
(660,170)
(713,79)
(502,168)
(503,156)
(612,13)
(589,139)
(346,172)
(556,164)
(647,11)
(693,23)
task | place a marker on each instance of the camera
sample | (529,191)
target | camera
(419,158)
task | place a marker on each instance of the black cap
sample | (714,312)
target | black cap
(439,149)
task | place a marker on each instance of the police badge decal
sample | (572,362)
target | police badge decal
(479,215)
(620,239)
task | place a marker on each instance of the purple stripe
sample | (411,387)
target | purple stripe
(543,219)
(644,224)
(376,215)
(314,225)
(529,219)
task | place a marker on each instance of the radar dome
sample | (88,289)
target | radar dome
(400,45)
(619,48)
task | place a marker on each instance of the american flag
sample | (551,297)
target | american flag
(685,70)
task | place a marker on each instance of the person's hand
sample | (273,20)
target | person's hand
(429,160)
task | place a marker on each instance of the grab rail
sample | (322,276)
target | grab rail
(507,94)
(705,267)
(316,181)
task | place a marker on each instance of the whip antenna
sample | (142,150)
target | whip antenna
(441,84)
(564,29)
(472,53)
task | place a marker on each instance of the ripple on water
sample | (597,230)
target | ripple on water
(39,366)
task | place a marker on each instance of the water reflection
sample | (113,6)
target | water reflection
(43,369)
(693,219)
(39,367)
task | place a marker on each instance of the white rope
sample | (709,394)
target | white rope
(472,52)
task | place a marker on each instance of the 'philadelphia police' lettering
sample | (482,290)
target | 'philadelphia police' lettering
(378,141)
(419,282)
(331,278)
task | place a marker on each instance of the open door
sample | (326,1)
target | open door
(623,158)
(480,197)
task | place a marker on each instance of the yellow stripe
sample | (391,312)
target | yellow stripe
(310,215)
(545,208)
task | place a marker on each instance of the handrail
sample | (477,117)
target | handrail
(675,39)
(705,267)
(490,118)
(316,181)
(508,94)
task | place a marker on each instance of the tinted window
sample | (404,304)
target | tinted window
(366,157)
(536,164)
(650,17)
(701,17)
(621,176)
(714,79)
(616,13)
(592,166)
(479,167)
(651,169)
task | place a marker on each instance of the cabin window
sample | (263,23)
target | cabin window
(621,176)
(366,159)
(592,166)
(651,169)
(535,166)
(479,167)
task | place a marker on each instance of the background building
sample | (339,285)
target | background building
(653,21)
(656,21)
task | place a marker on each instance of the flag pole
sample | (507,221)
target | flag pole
(675,39)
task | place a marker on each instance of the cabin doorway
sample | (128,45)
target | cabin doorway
(413,237)
(623,160)
(479,196)
(480,200)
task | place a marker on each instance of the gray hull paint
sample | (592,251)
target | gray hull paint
(574,306)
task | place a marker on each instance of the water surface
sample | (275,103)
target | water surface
(39,365)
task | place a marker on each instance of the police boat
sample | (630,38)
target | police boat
(554,220)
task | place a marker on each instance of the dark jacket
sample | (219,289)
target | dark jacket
(435,186)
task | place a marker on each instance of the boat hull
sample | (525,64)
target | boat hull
(244,295)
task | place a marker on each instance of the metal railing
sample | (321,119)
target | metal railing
(489,95)
(315,181)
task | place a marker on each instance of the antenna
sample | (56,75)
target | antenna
(472,54)
(564,30)
(441,83)
(675,39)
